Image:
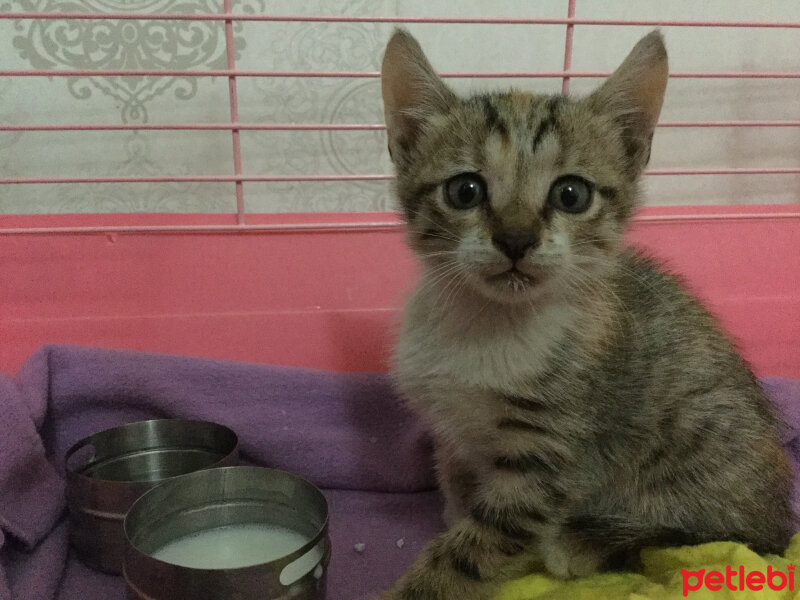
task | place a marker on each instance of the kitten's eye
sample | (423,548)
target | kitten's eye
(465,191)
(570,194)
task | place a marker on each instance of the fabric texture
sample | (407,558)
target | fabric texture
(346,433)
(704,572)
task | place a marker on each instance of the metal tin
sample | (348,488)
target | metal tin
(217,498)
(108,471)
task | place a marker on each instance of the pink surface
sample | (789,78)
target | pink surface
(325,290)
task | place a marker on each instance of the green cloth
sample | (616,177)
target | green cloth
(662,579)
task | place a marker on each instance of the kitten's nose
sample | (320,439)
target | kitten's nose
(515,242)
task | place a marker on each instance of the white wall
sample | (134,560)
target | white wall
(358,47)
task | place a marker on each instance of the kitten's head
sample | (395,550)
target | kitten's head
(516,193)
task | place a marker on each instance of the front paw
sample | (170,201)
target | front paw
(566,559)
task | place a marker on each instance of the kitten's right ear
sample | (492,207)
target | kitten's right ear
(412,92)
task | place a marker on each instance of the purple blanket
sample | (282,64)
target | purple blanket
(347,433)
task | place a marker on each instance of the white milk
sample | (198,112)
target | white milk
(236,546)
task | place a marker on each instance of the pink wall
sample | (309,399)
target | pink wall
(328,298)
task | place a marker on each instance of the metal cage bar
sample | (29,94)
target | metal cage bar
(227,17)
(237,146)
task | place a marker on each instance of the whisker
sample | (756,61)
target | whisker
(583,282)
(439,306)
(438,275)
(461,280)
(616,264)
(454,235)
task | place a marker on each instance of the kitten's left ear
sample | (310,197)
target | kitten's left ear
(633,96)
(412,92)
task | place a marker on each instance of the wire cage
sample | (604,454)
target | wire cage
(736,216)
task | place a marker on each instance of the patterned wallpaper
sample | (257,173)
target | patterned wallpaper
(104,44)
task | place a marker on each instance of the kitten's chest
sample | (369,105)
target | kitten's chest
(457,413)
(458,378)
(455,353)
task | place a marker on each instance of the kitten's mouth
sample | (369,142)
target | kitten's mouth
(513,278)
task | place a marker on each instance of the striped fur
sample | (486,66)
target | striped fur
(583,405)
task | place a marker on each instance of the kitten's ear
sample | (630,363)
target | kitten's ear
(634,93)
(412,92)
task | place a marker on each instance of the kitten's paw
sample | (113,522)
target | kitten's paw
(567,559)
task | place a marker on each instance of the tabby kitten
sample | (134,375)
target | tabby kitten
(583,405)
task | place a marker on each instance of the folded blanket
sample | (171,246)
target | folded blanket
(347,433)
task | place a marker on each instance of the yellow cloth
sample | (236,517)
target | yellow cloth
(661,577)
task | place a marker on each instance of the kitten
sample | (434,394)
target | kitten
(583,405)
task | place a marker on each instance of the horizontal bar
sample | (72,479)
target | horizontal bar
(728,171)
(320,126)
(276,227)
(201,127)
(376,74)
(717,216)
(397,19)
(665,214)
(315,178)
(193,178)
(724,124)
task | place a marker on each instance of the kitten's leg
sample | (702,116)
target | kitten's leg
(565,556)
(495,542)
(467,562)
(456,482)
(453,511)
